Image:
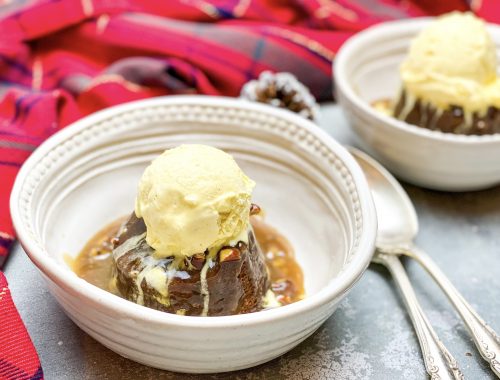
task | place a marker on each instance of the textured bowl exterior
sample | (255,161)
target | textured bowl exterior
(426,158)
(180,343)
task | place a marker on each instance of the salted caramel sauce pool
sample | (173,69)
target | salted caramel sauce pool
(95,265)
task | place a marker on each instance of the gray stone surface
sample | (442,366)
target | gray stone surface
(369,337)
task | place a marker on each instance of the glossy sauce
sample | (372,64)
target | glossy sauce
(95,265)
(383,105)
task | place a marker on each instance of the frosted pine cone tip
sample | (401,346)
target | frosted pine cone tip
(282,90)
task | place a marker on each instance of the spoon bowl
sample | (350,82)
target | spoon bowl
(397,218)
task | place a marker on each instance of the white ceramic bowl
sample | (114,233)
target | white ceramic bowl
(86,176)
(367,69)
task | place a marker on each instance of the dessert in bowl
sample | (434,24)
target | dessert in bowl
(423,95)
(190,247)
(87,176)
(449,78)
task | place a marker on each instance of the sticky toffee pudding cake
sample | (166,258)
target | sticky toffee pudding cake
(195,244)
(449,79)
(233,281)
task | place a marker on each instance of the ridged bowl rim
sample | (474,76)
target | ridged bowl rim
(64,278)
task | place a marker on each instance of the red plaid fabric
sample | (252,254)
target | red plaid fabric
(63,59)
(18,358)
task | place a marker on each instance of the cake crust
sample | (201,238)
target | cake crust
(233,280)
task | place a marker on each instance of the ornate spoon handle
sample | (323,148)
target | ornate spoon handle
(486,340)
(438,361)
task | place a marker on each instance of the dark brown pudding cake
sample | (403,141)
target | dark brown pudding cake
(95,264)
(195,244)
(451,120)
(233,280)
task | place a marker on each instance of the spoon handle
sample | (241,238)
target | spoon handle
(439,362)
(486,340)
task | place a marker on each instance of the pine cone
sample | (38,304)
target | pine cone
(282,90)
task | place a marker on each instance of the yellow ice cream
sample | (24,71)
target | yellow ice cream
(453,62)
(193,198)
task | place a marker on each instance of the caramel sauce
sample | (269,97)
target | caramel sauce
(287,280)
(383,105)
(95,264)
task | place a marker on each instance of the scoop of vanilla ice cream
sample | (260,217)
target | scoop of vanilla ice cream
(193,198)
(453,62)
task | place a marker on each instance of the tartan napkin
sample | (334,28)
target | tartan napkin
(18,357)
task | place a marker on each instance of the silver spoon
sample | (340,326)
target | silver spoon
(438,361)
(398,226)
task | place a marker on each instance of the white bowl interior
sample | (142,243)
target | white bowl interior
(309,225)
(93,180)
